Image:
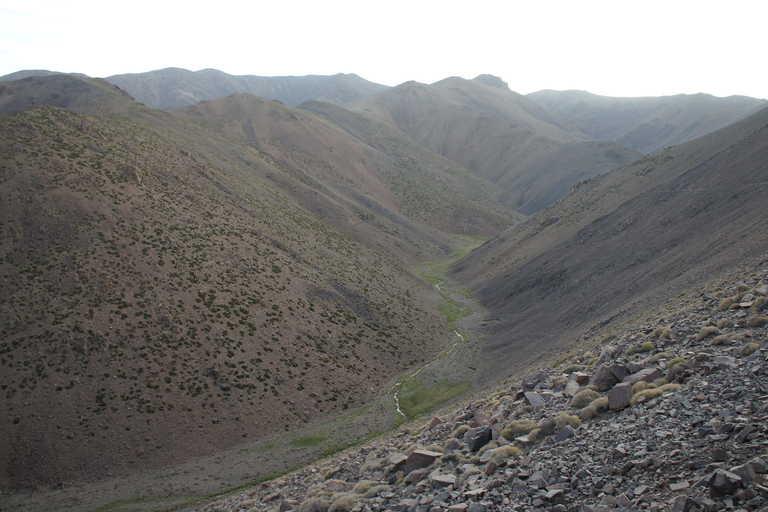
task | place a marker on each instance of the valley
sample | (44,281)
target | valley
(202,299)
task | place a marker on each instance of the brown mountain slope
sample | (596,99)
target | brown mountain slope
(173,88)
(531,155)
(162,296)
(656,227)
(647,124)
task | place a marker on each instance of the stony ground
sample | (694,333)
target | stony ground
(668,415)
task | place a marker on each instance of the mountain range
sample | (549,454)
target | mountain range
(182,279)
(647,124)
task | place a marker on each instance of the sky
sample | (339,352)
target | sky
(612,48)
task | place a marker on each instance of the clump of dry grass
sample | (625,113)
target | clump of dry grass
(563,419)
(657,357)
(757,321)
(639,386)
(748,349)
(460,431)
(591,410)
(707,330)
(584,397)
(343,502)
(313,505)
(726,338)
(505,452)
(725,304)
(518,428)
(641,347)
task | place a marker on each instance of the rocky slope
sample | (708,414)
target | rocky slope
(622,239)
(669,413)
(647,124)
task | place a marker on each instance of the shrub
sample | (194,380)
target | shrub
(436,448)
(676,370)
(641,347)
(725,304)
(573,368)
(376,489)
(564,419)
(460,431)
(647,394)
(725,338)
(673,362)
(591,410)
(584,397)
(657,357)
(518,428)
(313,505)
(759,305)
(748,349)
(536,435)
(505,452)
(363,486)
(705,331)
(489,446)
(343,502)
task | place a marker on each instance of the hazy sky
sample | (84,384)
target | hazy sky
(615,48)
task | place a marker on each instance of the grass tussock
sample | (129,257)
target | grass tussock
(640,348)
(584,397)
(502,454)
(748,349)
(706,331)
(518,428)
(676,360)
(757,321)
(564,419)
(343,502)
(594,408)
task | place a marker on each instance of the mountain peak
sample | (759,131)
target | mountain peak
(492,80)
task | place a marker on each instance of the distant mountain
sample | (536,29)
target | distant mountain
(647,124)
(529,153)
(171,88)
(27,73)
(617,242)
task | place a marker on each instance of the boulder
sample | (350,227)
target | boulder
(722,483)
(481,437)
(420,459)
(534,400)
(620,396)
(646,374)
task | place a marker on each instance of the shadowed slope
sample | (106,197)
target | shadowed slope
(659,226)
(647,124)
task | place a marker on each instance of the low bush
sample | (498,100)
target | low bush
(748,349)
(564,419)
(591,410)
(584,397)
(518,428)
(505,452)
